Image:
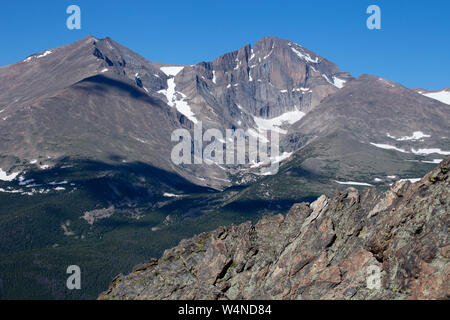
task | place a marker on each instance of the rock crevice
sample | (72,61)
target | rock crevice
(322,250)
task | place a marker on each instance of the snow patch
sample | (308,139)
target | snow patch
(32,190)
(354,183)
(424,151)
(252,55)
(274,124)
(338,83)
(388,147)
(442,96)
(171,71)
(179,103)
(271,160)
(4,176)
(280,158)
(417,135)
(46,53)
(269,54)
(430,151)
(54,183)
(435,161)
(23,182)
(140,140)
(301,89)
(328,79)
(171,195)
(305,56)
(414,180)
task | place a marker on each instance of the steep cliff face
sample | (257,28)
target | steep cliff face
(272,77)
(322,250)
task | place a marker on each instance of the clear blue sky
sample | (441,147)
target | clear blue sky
(412,48)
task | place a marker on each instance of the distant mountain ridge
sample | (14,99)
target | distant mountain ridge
(254,88)
(85,151)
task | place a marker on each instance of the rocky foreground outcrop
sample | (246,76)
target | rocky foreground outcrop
(323,250)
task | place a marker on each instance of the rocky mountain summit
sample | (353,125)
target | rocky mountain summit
(95,99)
(86,170)
(322,250)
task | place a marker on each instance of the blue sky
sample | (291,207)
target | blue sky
(413,46)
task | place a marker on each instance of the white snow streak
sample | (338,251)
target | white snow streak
(435,161)
(414,180)
(430,151)
(423,151)
(171,195)
(305,56)
(179,103)
(388,147)
(5,177)
(354,183)
(442,96)
(338,83)
(417,135)
(171,71)
(46,53)
(274,124)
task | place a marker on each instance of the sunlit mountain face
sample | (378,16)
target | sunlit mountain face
(87,175)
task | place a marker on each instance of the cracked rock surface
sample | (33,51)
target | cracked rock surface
(322,250)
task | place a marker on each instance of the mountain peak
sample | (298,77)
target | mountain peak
(277,40)
(272,39)
(100,120)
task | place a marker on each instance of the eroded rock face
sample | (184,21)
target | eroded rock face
(322,250)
